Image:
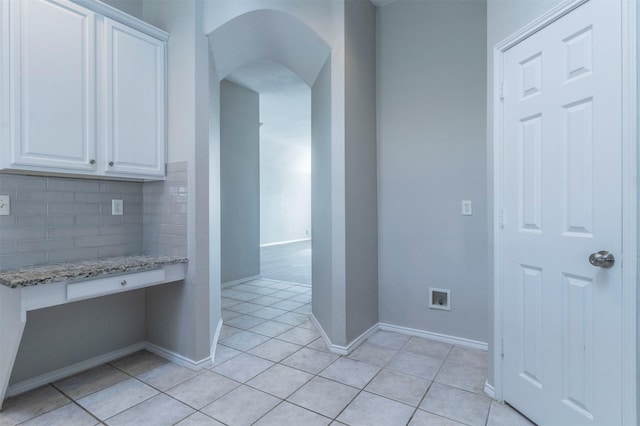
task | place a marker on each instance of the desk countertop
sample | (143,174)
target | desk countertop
(83,269)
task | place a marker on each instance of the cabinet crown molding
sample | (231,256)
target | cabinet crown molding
(124,18)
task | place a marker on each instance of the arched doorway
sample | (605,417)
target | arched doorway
(277,37)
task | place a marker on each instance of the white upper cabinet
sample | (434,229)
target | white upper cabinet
(53,85)
(87,93)
(134,66)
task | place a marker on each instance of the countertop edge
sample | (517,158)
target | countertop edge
(36,275)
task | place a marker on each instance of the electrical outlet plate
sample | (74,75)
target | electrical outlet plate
(467,209)
(440,298)
(5,205)
(116,208)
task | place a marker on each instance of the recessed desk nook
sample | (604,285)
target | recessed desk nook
(41,286)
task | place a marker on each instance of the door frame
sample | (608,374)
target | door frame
(629,161)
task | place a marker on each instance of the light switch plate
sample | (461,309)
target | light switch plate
(5,205)
(116,207)
(467,209)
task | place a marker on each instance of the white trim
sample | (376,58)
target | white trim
(454,340)
(280,243)
(360,339)
(340,350)
(79,367)
(343,350)
(177,358)
(346,350)
(629,211)
(214,343)
(239,281)
(76,368)
(629,196)
(498,195)
(124,18)
(537,24)
(489,390)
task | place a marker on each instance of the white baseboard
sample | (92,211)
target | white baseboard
(360,339)
(240,281)
(346,350)
(460,341)
(88,364)
(214,343)
(177,358)
(489,390)
(279,243)
(343,350)
(65,372)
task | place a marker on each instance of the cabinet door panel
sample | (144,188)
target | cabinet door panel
(53,84)
(135,102)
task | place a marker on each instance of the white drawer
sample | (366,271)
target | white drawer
(117,284)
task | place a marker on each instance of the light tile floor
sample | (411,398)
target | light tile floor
(273,368)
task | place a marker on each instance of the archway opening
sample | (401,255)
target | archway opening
(239,47)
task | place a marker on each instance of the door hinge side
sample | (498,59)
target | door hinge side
(501,218)
(501,91)
(502,349)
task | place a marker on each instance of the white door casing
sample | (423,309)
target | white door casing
(559,193)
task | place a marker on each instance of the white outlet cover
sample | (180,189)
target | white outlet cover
(116,208)
(5,205)
(467,208)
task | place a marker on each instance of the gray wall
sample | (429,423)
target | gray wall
(321,223)
(239,182)
(165,233)
(431,156)
(132,7)
(361,214)
(63,335)
(285,160)
(193,307)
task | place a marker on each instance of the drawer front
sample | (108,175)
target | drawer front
(120,283)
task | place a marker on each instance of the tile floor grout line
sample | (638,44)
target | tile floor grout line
(73,401)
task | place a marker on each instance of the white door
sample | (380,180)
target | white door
(562,186)
(134,119)
(53,83)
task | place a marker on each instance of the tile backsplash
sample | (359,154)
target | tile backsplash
(165,213)
(63,219)
(58,219)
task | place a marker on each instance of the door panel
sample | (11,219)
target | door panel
(562,201)
(135,102)
(54,84)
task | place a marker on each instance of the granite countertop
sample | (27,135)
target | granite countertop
(83,269)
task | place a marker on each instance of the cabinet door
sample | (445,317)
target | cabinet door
(52,80)
(134,102)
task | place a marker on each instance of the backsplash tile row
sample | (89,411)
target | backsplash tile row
(61,219)
(165,213)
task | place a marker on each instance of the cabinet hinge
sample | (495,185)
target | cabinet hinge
(501,91)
